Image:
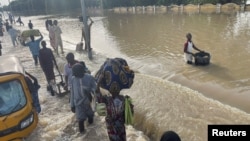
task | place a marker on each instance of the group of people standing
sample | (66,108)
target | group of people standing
(54,35)
(12,19)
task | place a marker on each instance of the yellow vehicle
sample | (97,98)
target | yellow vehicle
(18,117)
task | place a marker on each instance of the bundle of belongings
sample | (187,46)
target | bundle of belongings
(202,58)
(24,35)
(115,75)
(30,32)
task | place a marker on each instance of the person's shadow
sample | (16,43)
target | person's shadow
(217,71)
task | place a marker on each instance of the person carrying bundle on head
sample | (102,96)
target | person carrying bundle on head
(113,76)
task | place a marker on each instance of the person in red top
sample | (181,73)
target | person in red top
(188,48)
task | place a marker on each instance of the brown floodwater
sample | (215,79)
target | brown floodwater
(169,94)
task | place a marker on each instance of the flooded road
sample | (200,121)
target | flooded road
(168,94)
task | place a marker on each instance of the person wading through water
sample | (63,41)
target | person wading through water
(47,63)
(83,84)
(88,30)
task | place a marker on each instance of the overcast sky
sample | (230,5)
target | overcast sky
(4,2)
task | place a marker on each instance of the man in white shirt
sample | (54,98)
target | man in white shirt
(58,38)
(188,48)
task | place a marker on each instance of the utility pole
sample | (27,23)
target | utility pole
(85,25)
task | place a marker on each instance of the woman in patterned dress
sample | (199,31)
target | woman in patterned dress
(113,77)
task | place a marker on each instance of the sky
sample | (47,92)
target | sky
(4,2)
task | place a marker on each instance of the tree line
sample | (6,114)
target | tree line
(50,6)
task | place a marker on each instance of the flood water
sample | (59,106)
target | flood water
(168,94)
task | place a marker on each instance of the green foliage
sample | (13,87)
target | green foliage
(59,5)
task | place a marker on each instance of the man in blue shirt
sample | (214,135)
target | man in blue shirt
(34,46)
(13,35)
